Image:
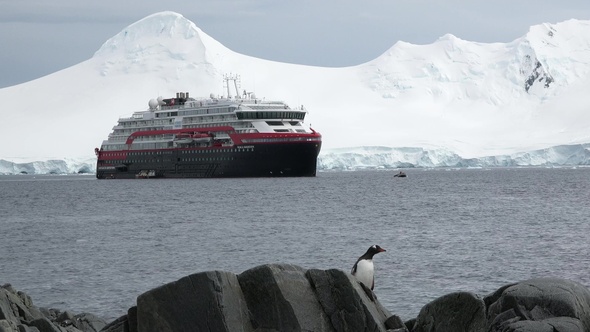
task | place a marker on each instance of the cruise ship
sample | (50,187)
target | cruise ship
(215,137)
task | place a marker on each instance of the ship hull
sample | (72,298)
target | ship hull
(253,160)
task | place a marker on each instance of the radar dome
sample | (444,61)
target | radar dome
(153,104)
(161,101)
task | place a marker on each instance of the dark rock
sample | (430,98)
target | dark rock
(345,302)
(461,311)
(556,324)
(26,299)
(50,313)
(65,318)
(25,328)
(279,297)
(118,325)
(127,323)
(132,319)
(282,297)
(410,324)
(265,298)
(7,326)
(17,307)
(45,325)
(539,305)
(395,323)
(555,305)
(501,320)
(208,301)
(88,322)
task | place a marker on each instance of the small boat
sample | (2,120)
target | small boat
(146,174)
(182,138)
(400,175)
(201,138)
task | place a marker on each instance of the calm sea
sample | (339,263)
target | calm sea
(73,242)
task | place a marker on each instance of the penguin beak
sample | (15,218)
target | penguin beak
(381,250)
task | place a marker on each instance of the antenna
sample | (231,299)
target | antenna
(236,80)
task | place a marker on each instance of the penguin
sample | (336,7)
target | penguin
(364,270)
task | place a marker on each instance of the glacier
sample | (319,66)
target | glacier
(452,103)
(55,166)
(395,158)
(362,158)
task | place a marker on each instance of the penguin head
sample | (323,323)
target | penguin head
(374,249)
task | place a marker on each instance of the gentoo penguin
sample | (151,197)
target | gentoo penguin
(363,269)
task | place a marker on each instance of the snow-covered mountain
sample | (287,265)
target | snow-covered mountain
(452,99)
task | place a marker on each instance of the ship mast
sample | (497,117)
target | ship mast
(236,80)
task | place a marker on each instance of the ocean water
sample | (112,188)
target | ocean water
(77,243)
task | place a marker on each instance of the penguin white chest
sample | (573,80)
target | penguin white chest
(365,272)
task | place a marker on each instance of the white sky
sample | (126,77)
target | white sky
(41,37)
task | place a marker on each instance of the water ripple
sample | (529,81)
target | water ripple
(76,243)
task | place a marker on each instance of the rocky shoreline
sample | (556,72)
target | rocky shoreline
(283,297)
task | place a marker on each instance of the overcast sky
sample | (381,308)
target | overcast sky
(39,37)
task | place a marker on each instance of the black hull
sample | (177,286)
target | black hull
(260,160)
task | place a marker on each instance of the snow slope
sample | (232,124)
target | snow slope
(469,99)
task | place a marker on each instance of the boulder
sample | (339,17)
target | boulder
(120,324)
(283,297)
(7,326)
(17,307)
(45,325)
(345,301)
(18,314)
(461,311)
(272,297)
(207,301)
(538,305)
(88,322)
